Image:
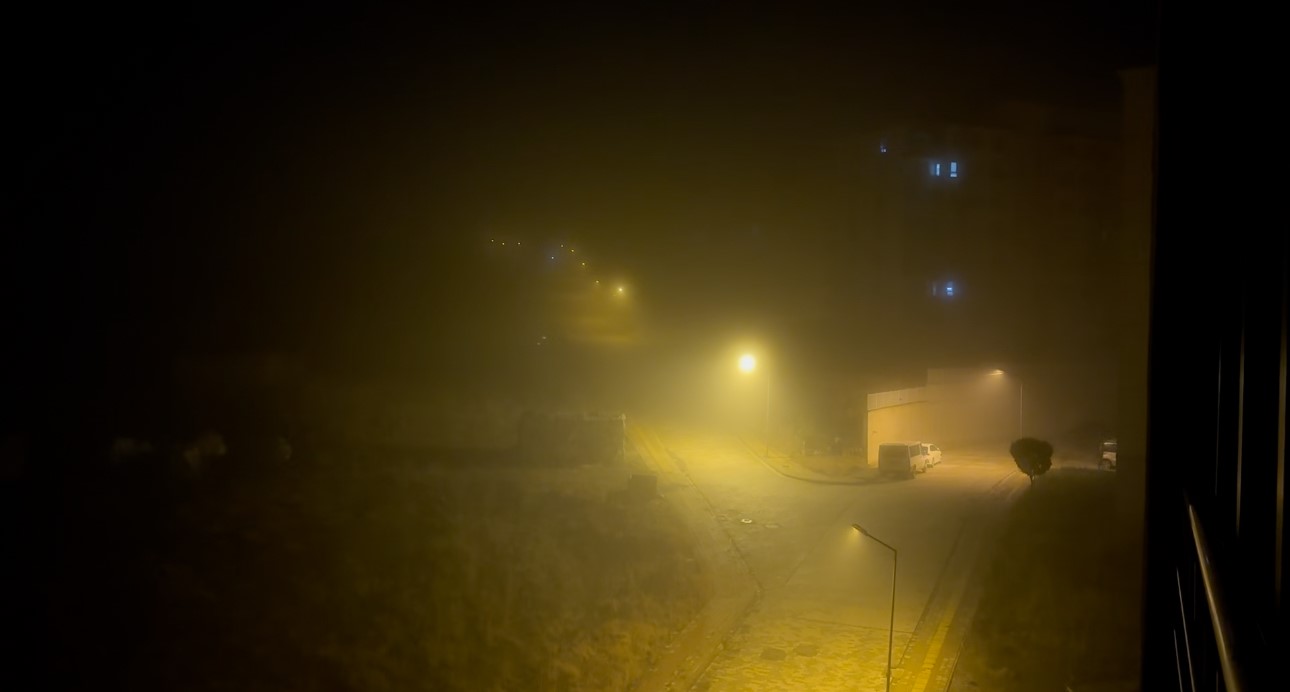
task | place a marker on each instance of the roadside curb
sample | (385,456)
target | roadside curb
(925,619)
(992,527)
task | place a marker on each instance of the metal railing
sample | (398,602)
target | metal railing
(1199,641)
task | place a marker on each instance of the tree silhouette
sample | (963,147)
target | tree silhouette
(1034,457)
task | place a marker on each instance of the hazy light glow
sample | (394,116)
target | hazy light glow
(997,372)
(747,362)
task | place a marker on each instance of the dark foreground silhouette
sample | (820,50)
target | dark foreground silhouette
(1034,457)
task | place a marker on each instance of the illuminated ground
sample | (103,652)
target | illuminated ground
(820,620)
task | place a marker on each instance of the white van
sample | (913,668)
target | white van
(1110,450)
(901,458)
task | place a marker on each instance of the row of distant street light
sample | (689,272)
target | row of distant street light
(619,290)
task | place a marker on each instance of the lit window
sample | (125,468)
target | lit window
(949,289)
(882,147)
(936,169)
(954,169)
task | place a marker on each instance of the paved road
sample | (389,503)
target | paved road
(821,620)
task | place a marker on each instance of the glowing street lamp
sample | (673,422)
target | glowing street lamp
(748,363)
(891,631)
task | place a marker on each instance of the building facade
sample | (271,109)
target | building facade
(993,236)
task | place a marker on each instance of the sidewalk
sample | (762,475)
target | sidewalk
(779,652)
(689,654)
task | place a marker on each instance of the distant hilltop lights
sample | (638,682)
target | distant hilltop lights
(552,256)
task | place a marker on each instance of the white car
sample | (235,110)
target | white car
(1110,449)
(933,454)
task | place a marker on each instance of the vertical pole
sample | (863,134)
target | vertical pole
(767,452)
(891,626)
(891,630)
(1021,408)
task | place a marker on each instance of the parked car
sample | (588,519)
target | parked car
(933,454)
(1109,449)
(904,458)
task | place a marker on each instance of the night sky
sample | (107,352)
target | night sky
(321,182)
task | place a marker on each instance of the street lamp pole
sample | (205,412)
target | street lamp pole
(1021,403)
(1021,408)
(891,629)
(748,363)
(766,454)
